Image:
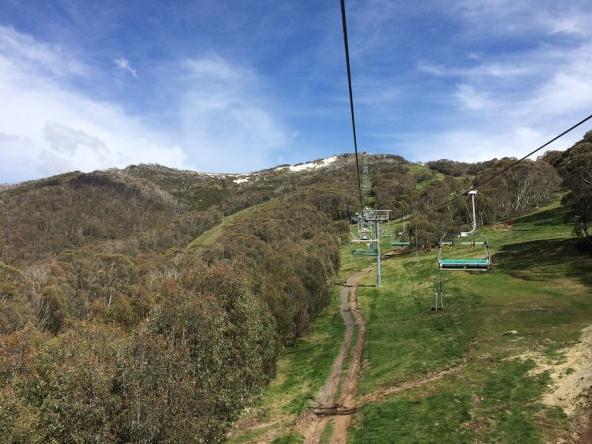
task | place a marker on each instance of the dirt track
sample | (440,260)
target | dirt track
(336,399)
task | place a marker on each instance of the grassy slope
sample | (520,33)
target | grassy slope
(416,168)
(540,287)
(207,238)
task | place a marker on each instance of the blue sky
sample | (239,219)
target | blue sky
(234,86)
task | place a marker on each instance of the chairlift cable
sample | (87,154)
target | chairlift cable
(513,164)
(351,100)
(504,170)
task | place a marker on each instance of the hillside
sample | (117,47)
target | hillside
(501,362)
(154,304)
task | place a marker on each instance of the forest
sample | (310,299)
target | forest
(150,304)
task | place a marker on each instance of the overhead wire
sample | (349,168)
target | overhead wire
(493,176)
(458,196)
(351,100)
(496,174)
(513,164)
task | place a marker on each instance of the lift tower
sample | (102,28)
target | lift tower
(374,218)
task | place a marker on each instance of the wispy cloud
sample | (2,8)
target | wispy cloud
(124,65)
(573,23)
(213,68)
(225,119)
(483,69)
(470,99)
(221,119)
(512,101)
(531,17)
(28,55)
(48,128)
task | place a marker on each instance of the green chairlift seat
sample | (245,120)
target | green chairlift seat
(400,243)
(364,252)
(465,264)
(400,238)
(364,247)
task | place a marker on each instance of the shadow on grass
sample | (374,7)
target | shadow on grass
(544,260)
(553,216)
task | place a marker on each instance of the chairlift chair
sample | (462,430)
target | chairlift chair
(364,247)
(364,228)
(464,263)
(402,239)
(400,243)
(365,243)
(364,252)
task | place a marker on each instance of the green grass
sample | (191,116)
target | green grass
(499,405)
(289,439)
(436,419)
(404,339)
(207,238)
(351,264)
(415,169)
(508,401)
(540,286)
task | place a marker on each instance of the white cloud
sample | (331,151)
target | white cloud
(47,129)
(28,55)
(558,86)
(512,102)
(567,90)
(225,120)
(470,99)
(486,142)
(124,65)
(575,23)
(508,69)
(63,139)
(219,119)
(214,68)
(509,17)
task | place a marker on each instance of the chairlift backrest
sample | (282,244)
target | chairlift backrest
(465,263)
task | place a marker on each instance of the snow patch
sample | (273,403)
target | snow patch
(311,165)
(242,180)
